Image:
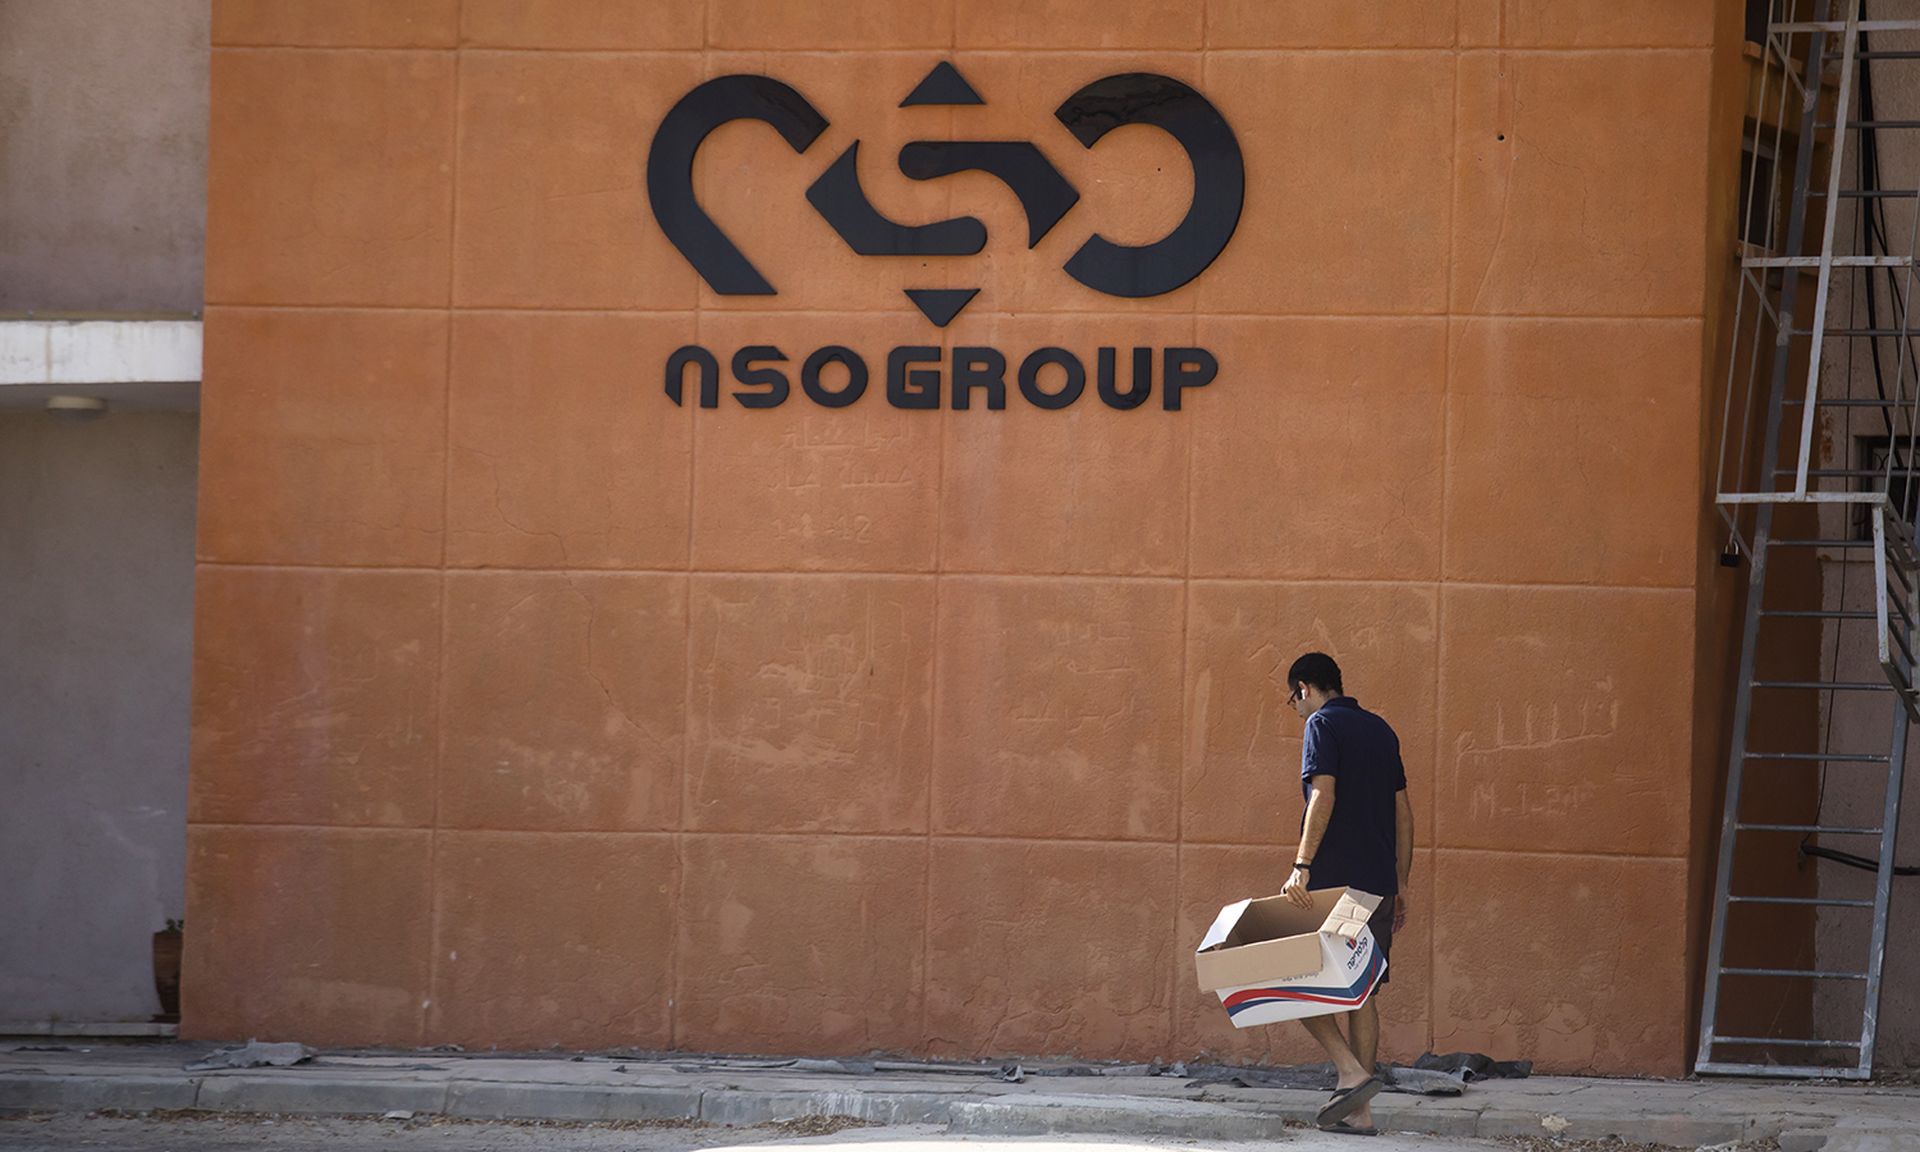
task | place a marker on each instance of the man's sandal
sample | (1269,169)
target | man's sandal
(1347,1101)
(1346,1129)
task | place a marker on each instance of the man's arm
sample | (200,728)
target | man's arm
(1319,813)
(1403,853)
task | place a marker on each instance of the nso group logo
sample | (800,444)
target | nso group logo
(914,376)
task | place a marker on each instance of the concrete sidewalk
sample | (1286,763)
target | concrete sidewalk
(80,1076)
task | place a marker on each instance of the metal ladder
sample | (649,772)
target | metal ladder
(1814,77)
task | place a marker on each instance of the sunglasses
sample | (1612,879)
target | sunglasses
(1296,695)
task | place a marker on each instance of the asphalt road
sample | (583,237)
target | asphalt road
(287,1134)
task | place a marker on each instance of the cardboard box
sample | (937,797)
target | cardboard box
(1270,961)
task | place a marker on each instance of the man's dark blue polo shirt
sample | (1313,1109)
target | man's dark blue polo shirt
(1360,751)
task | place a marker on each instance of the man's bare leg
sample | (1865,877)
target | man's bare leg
(1347,1068)
(1363,1029)
(1364,1025)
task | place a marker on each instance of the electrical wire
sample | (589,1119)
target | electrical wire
(1855,860)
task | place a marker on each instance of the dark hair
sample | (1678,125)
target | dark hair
(1316,670)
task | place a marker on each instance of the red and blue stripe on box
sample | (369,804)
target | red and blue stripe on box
(1351,996)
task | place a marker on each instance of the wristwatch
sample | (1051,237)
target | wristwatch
(1303,865)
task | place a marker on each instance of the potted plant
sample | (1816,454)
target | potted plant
(166,971)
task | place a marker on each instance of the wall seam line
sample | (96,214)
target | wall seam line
(1440,583)
(901,836)
(435,903)
(1052,51)
(678,915)
(1186,719)
(1330,317)
(948,575)
(933,718)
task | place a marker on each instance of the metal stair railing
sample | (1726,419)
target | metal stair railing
(1871,505)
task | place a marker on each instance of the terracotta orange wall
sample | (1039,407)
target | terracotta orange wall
(531,709)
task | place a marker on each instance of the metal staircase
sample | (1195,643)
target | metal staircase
(1817,485)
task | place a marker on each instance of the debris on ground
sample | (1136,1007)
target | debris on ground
(1430,1075)
(1471,1066)
(1615,1144)
(1448,1077)
(224,1118)
(803,1064)
(816,1125)
(439,1121)
(1606,1144)
(252,1054)
(1423,1082)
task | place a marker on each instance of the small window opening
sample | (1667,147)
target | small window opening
(1870,454)
(1759,195)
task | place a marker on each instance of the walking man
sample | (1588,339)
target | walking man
(1357,833)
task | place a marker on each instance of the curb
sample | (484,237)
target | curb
(1121,1116)
(1010,1114)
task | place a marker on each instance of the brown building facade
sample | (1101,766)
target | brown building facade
(534,708)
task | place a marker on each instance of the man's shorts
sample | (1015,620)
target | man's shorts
(1381,925)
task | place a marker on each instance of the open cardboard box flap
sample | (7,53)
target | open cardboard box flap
(1271,939)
